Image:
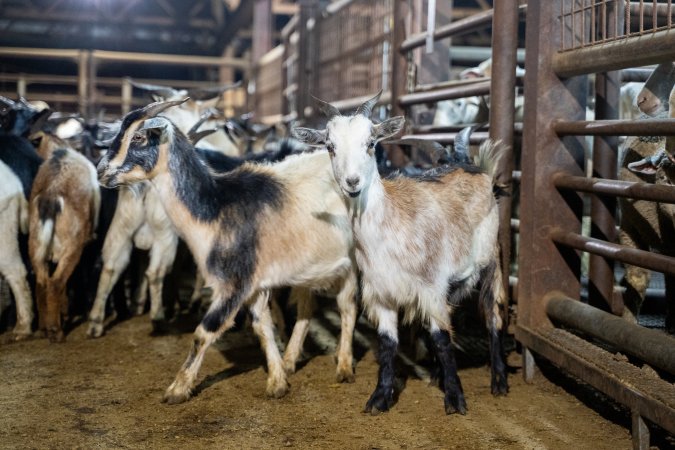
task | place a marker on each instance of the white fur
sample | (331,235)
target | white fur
(13,220)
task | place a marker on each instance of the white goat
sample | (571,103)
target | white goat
(14,219)
(249,230)
(418,241)
(140,221)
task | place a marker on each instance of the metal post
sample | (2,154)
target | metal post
(91,87)
(640,432)
(126,95)
(305,62)
(21,86)
(399,71)
(542,266)
(502,111)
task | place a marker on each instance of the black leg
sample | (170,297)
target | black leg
(454,395)
(494,316)
(383,397)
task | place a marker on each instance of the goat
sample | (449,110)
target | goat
(64,206)
(417,241)
(644,224)
(189,113)
(13,220)
(653,98)
(249,230)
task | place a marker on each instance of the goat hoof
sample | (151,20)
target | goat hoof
(455,403)
(381,400)
(289,367)
(500,386)
(159,327)
(95,330)
(345,377)
(171,398)
(278,391)
(56,336)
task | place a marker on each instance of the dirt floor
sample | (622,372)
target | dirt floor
(106,393)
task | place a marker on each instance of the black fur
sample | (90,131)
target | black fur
(48,208)
(222,163)
(383,397)
(454,395)
(499,384)
(21,157)
(434,175)
(117,141)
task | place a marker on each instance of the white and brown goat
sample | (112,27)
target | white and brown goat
(251,229)
(421,243)
(64,206)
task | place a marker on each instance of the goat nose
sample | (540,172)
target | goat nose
(352,181)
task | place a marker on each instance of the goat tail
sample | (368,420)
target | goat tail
(23,214)
(48,209)
(489,155)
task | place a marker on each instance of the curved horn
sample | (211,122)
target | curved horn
(162,91)
(7,102)
(155,108)
(327,109)
(367,108)
(209,93)
(462,138)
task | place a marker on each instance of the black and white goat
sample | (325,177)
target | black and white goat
(249,230)
(422,244)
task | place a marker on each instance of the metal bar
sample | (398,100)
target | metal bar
(51,53)
(603,209)
(654,347)
(158,58)
(639,75)
(448,138)
(647,127)
(456,28)
(517,128)
(641,258)
(652,398)
(502,113)
(399,63)
(640,432)
(629,52)
(482,88)
(629,189)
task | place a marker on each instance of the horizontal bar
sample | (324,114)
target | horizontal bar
(635,75)
(160,58)
(654,347)
(627,189)
(517,128)
(652,398)
(646,127)
(26,52)
(474,22)
(640,258)
(482,88)
(449,138)
(651,48)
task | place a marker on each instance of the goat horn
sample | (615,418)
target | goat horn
(367,108)
(155,108)
(7,102)
(208,93)
(162,91)
(462,138)
(327,109)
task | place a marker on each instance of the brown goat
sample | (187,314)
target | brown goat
(64,205)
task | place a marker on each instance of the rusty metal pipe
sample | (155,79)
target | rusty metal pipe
(474,22)
(653,347)
(482,88)
(517,128)
(628,189)
(630,52)
(641,258)
(448,138)
(648,127)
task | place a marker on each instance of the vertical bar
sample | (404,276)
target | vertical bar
(642,16)
(82,74)
(502,111)
(126,95)
(307,11)
(592,36)
(603,209)
(529,366)
(21,86)
(399,71)
(91,86)
(544,267)
(262,26)
(640,432)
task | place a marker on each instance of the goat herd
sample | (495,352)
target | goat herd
(312,213)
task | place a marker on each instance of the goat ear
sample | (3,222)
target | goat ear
(154,123)
(388,128)
(309,136)
(644,166)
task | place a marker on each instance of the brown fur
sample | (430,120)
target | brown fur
(73,228)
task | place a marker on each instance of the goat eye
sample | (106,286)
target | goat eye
(137,138)
(330,148)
